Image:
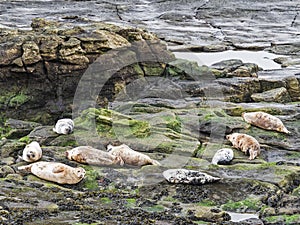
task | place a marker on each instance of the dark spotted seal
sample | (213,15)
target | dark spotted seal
(184,176)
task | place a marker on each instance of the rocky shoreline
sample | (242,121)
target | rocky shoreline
(122,85)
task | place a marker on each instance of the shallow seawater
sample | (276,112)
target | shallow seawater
(237,217)
(262,58)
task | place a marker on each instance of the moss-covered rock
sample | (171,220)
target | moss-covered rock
(283,219)
(246,205)
(155,132)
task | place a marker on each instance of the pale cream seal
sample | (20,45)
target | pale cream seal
(130,156)
(93,156)
(56,172)
(265,121)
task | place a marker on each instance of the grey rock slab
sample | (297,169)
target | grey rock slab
(242,24)
(279,95)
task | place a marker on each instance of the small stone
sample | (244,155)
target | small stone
(5,170)
(31,53)
(11,147)
(14,176)
(18,62)
(226,64)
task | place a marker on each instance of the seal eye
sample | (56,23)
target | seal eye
(67,130)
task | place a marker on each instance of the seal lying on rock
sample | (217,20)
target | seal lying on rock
(265,121)
(64,126)
(130,156)
(93,156)
(184,176)
(246,143)
(223,156)
(56,172)
(32,152)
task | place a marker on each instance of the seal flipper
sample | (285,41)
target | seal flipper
(26,168)
(155,163)
(58,169)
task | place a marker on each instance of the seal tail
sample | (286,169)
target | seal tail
(214,161)
(155,163)
(284,130)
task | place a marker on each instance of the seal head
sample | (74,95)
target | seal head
(32,152)
(223,156)
(64,126)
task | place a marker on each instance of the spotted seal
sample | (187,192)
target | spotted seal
(184,176)
(93,156)
(130,156)
(246,143)
(55,171)
(64,126)
(265,121)
(223,156)
(32,152)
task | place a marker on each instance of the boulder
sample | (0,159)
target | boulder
(279,95)
(234,68)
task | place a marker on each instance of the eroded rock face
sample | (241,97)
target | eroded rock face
(40,68)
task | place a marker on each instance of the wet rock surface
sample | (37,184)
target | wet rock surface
(170,109)
(204,25)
